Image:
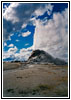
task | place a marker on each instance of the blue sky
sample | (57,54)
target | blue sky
(27,27)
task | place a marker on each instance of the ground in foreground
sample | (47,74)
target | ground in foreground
(34,80)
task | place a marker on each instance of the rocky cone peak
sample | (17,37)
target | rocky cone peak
(40,56)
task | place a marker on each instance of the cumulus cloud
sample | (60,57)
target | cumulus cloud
(10,53)
(27,49)
(22,55)
(26,34)
(52,35)
(6,55)
(11,45)
(17,15)
(48,8)
(9,13)
(12,50)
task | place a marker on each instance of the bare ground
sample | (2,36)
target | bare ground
(20,80)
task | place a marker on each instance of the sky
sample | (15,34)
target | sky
(31,26)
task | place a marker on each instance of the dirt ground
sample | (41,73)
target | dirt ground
(35,80)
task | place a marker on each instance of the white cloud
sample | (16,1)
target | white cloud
(5,44)
(24,25)
(11,45)
(10,53)
(9,37)
(12,50)
(22,55)
(41,11)
(17,15)
(26,49)
(17,40)
(6,55)
(9,13)
(11,34)
(26,34)
(26,44)
(53,35)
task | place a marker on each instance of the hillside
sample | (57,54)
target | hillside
(40,56)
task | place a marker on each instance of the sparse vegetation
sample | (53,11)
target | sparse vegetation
(19,77)
(10,90)
(43,86)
